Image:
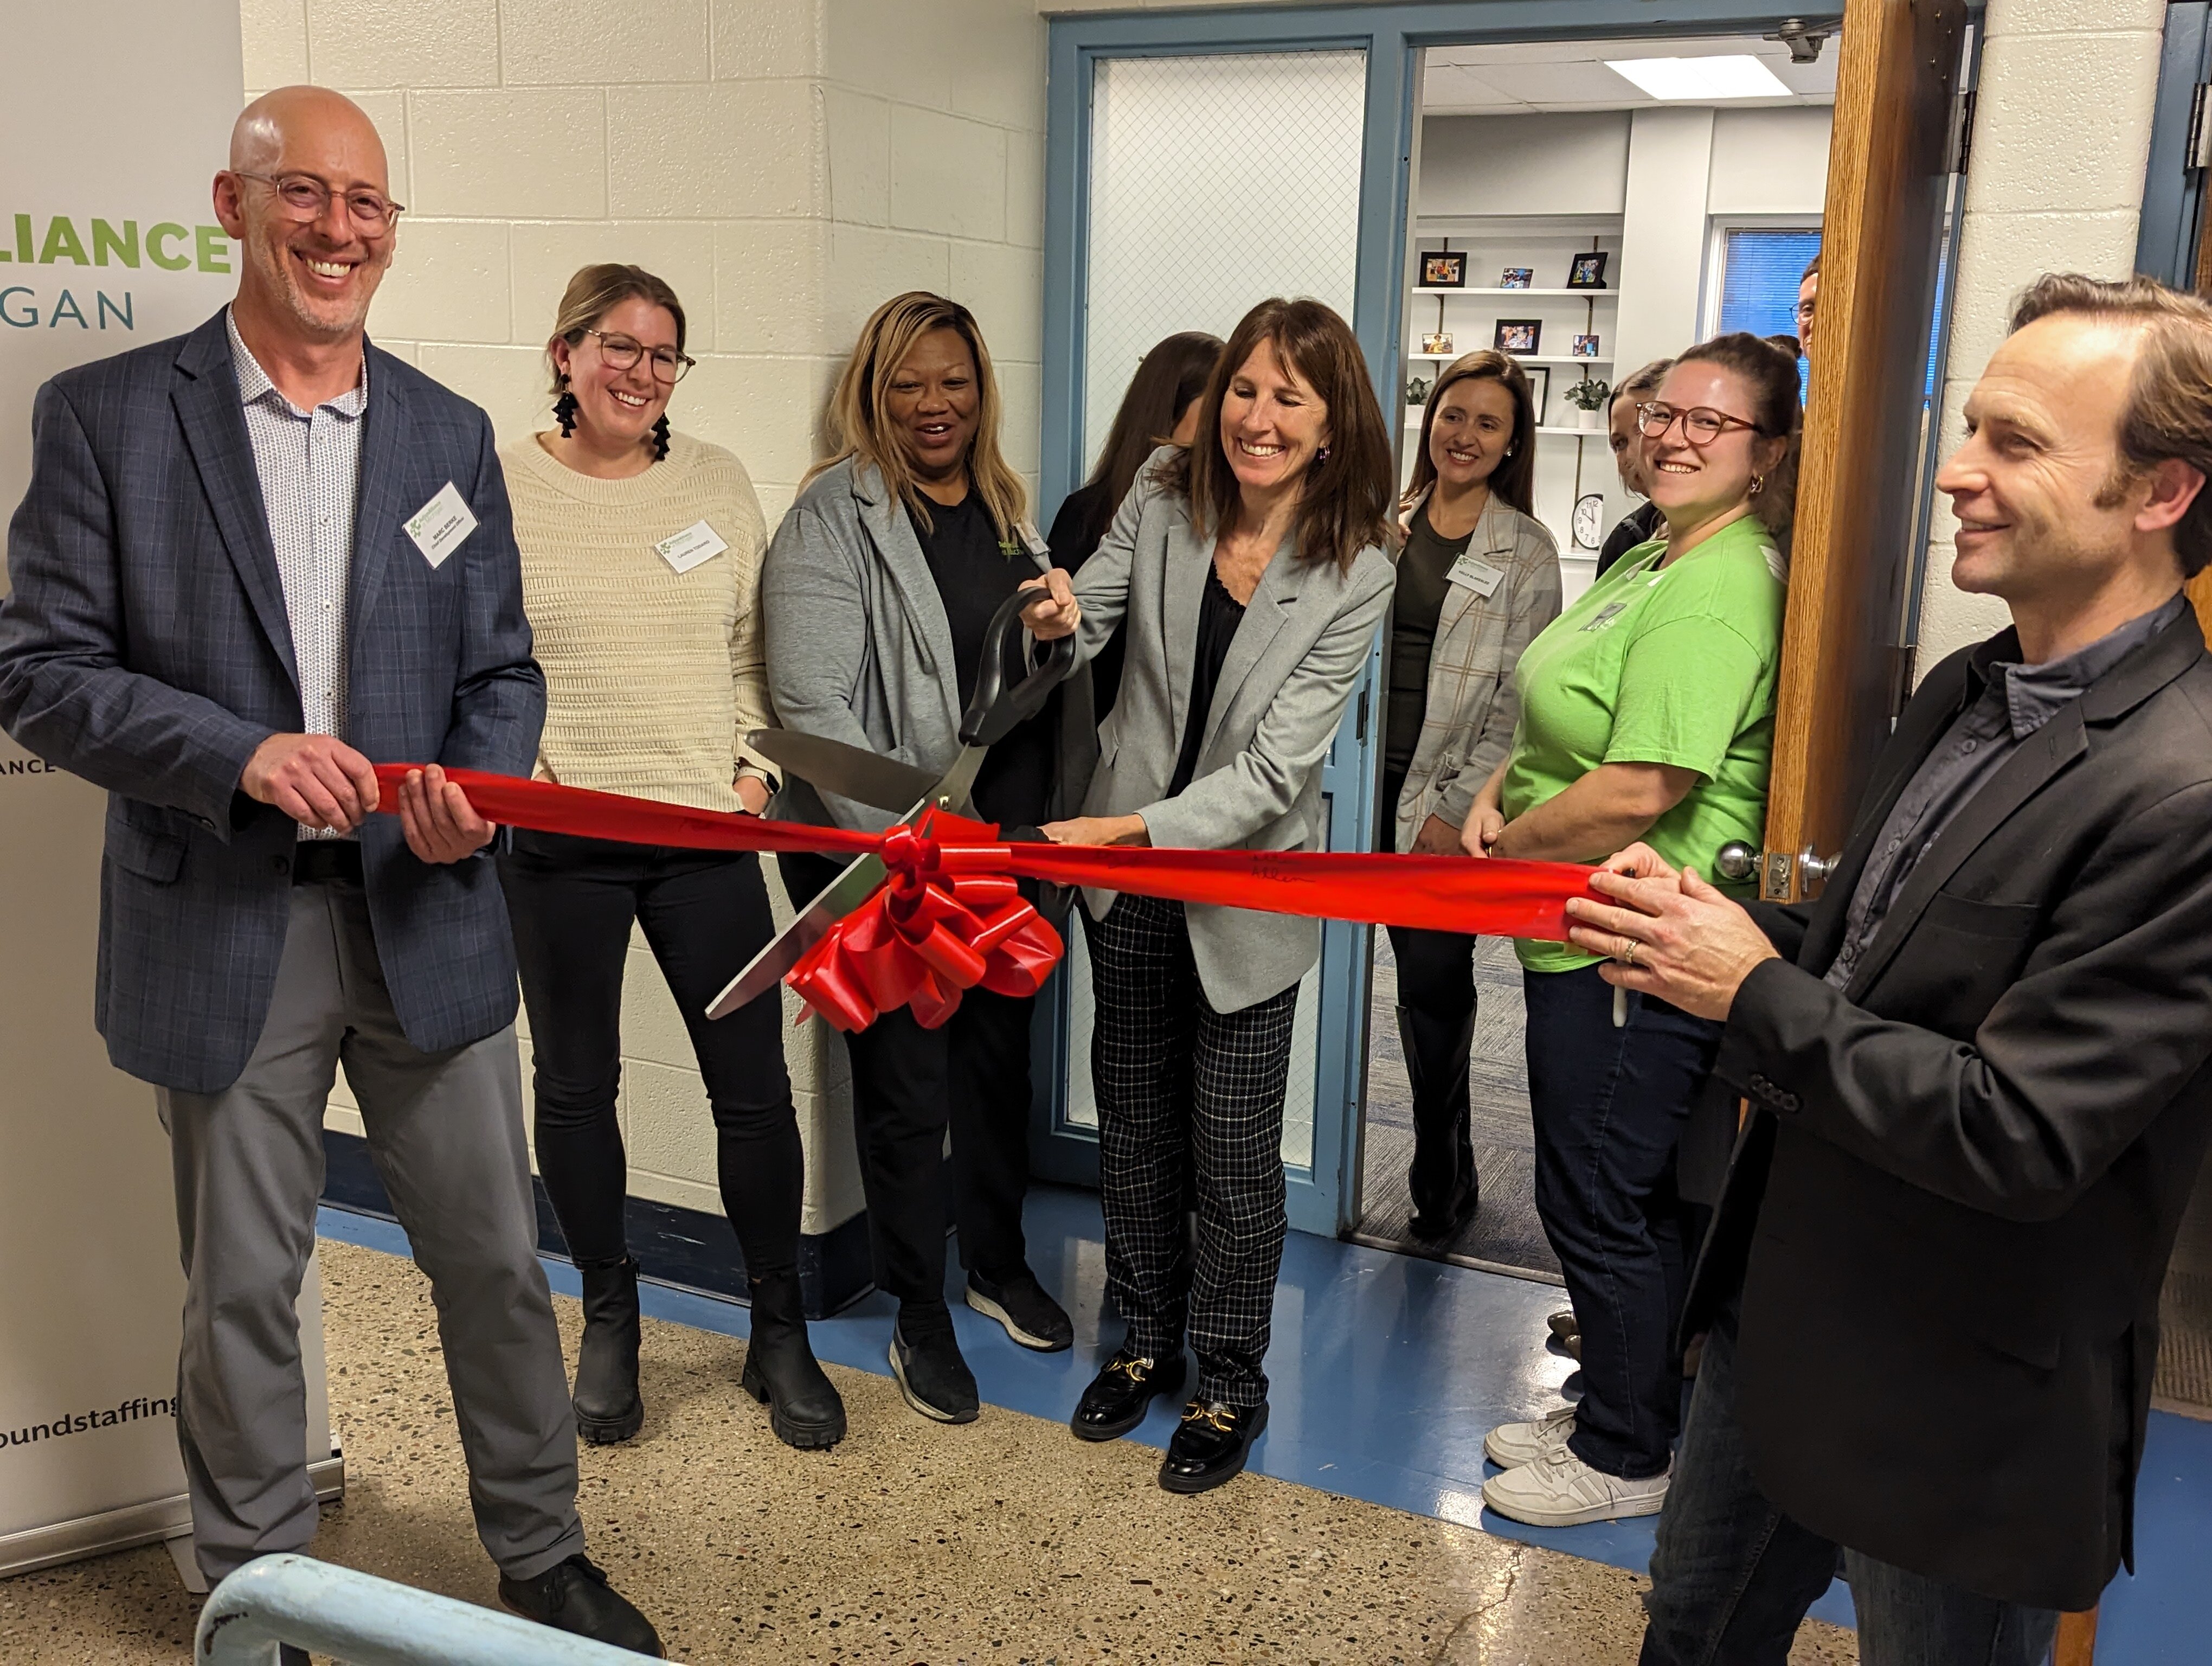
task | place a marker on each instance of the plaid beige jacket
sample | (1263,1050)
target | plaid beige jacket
(1472,705)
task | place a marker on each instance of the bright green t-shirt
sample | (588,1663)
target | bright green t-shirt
(1648,666)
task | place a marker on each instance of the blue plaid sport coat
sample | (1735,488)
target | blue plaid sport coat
(145,647)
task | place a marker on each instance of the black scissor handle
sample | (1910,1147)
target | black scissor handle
(994,710)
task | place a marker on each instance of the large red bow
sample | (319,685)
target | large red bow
(950,918)
(927,936)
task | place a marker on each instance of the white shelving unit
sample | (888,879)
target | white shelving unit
(1565,467)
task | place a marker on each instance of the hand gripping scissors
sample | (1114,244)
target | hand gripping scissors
(869,778)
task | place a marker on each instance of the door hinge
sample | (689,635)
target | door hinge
(1960,143)
(2199,137)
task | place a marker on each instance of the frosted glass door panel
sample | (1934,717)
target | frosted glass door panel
(1215,182)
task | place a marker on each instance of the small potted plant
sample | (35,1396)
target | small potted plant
(1588,397)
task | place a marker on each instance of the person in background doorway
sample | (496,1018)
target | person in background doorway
(1643,522)
(221,615)
(1250,572)
(641,569)
(1979,1066)
(1648,705)
(1808,297)
(1478,577)
(1160,408)
(878,593)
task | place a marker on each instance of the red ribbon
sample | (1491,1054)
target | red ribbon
(950,917)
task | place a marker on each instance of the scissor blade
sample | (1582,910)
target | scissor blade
(808,927)
(866,778)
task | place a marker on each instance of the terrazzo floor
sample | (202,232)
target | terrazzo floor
(1002,1541)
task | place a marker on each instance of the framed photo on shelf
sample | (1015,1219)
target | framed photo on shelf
(1516,278)
(1440,344)
(1585,347)
(1519,334)
(1540,388)
(1587,271)
(1443,268)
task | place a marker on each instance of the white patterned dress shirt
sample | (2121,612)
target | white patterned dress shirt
(309,463)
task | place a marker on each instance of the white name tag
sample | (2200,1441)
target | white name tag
(1476,574)
(696,542)
(440,526)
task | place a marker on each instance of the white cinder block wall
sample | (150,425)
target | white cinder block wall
(786,165)
(2054,183)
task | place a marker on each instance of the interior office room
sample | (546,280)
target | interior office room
(1583,185)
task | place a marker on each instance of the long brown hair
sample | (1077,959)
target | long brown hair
(1169,377)
(857,429)
(1771,374)
(1515,478)
(1344,507)
(594,292)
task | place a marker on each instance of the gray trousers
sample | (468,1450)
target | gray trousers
(445,1130)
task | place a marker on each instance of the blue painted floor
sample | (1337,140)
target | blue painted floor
(1387,1372)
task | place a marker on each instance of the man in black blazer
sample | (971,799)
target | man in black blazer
(253,561)
(1978,1066)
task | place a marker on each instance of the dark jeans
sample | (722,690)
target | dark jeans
(1436,1025)
(704,914)
(1732,1576)
(909,1085)
(1608,1106)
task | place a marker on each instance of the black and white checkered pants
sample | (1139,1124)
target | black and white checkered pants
(1183,1090)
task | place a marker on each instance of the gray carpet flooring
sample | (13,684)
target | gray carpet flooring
(1504,1233)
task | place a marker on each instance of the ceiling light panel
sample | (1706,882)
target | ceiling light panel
(1700,79)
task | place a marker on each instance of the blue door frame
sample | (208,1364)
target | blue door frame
(2173,187)
(1323,1196)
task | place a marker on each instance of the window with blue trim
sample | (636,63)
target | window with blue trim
(1760,268)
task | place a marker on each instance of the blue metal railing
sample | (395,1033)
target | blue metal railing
(368,1621)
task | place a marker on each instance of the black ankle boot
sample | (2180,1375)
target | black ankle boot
(803,1408)
(608,1407)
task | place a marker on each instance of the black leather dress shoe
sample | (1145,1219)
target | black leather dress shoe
(575,1596)
(1211,1444)
(1430,1224)
(1120,1394)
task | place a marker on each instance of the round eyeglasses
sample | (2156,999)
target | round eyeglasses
(306,198)
(1701,424)
(623,352)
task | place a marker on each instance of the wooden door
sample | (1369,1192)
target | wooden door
(1888,174)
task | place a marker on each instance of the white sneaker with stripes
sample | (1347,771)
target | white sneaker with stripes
(1560,1490)
(1509,1446)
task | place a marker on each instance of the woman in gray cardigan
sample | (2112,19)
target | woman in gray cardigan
(875,595)
(1251,577)
(1478,578)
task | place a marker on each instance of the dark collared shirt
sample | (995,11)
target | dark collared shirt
(2013,701)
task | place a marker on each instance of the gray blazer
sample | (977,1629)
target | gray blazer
(1466,727)
(1298,656)
(858,649)
(147,648)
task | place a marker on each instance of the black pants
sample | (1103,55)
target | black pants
(704,914)
(1608,1106)
(1435,1026)
(909,1085)
(1185,1090)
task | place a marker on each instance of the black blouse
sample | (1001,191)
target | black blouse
(1219,613)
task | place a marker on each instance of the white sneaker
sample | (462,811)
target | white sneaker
(1560,1490)
(1509,1446)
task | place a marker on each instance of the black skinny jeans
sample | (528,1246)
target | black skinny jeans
(909,1084)
(705,914)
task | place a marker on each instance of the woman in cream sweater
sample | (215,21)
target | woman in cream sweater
(640,563)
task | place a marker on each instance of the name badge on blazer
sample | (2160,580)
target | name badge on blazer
(696,542)
(439,526)
(1476,573)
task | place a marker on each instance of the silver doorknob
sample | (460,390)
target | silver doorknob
(1736,860)
(1813,870)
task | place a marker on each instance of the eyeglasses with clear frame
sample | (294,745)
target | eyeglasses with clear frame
(306,198)
(1803,313)
(1701,424)
(623,352)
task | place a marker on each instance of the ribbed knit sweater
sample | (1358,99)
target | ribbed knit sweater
(653,676)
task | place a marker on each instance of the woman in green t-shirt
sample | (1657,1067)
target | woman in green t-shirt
(1647,712)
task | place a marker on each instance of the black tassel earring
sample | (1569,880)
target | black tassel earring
(564,409)
(660,438)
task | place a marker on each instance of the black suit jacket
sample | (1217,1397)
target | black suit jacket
(1950,1214)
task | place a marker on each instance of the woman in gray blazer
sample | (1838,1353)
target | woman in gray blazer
(877,594)
(1478,577)
(1248,576)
